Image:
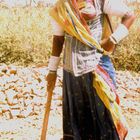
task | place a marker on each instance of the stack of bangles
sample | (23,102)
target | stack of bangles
(120,33)
(53,64)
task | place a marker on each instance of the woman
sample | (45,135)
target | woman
(87,107)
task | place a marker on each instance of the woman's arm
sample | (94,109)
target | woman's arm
(128,19)
(119,9)
(58,38)
(57,46)
(123,28)
(54,61)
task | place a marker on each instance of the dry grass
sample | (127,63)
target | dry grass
(127,54)
(25,36)
(25,39)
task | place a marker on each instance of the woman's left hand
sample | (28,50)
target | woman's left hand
(107,45)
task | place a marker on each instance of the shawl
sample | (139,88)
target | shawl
(66,14)
(63,13)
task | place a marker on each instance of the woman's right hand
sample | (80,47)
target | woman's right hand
(51,80)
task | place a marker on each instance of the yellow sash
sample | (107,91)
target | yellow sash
(62,12)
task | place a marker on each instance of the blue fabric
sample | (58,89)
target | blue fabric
(107,65)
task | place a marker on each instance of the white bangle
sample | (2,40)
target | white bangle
(53,63)
(113,40)
(120,33)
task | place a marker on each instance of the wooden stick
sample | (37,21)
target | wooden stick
(46,116)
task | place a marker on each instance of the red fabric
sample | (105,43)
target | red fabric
(83,21)
(122,131)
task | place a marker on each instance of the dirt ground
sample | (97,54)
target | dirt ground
(29,127)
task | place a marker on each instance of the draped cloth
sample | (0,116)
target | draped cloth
(98,85)
(64,15)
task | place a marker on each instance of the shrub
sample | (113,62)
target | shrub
(25,36)
(127,54)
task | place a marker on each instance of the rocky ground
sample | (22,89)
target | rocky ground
(23,96)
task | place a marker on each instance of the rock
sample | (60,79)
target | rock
(42,84)
(8,115)
(43,100)
(2,89)
(13,78)
(10,94)
(8,86)
(15,106)
(36,91)
(20,95)
(1,74)
(20,84)
(27,89)
(43,71)
(1,111)
(37,101)
(3,80)
(4,70)
(21,102)
(5,108)
(36,110)
(15,112)
(58,90)
(58,98)
(27,102)
(2,98)
(13,70)
(15,101)
(27,112)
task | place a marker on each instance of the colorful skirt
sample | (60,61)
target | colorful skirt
(90,108)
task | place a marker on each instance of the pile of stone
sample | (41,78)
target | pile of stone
(22,91)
